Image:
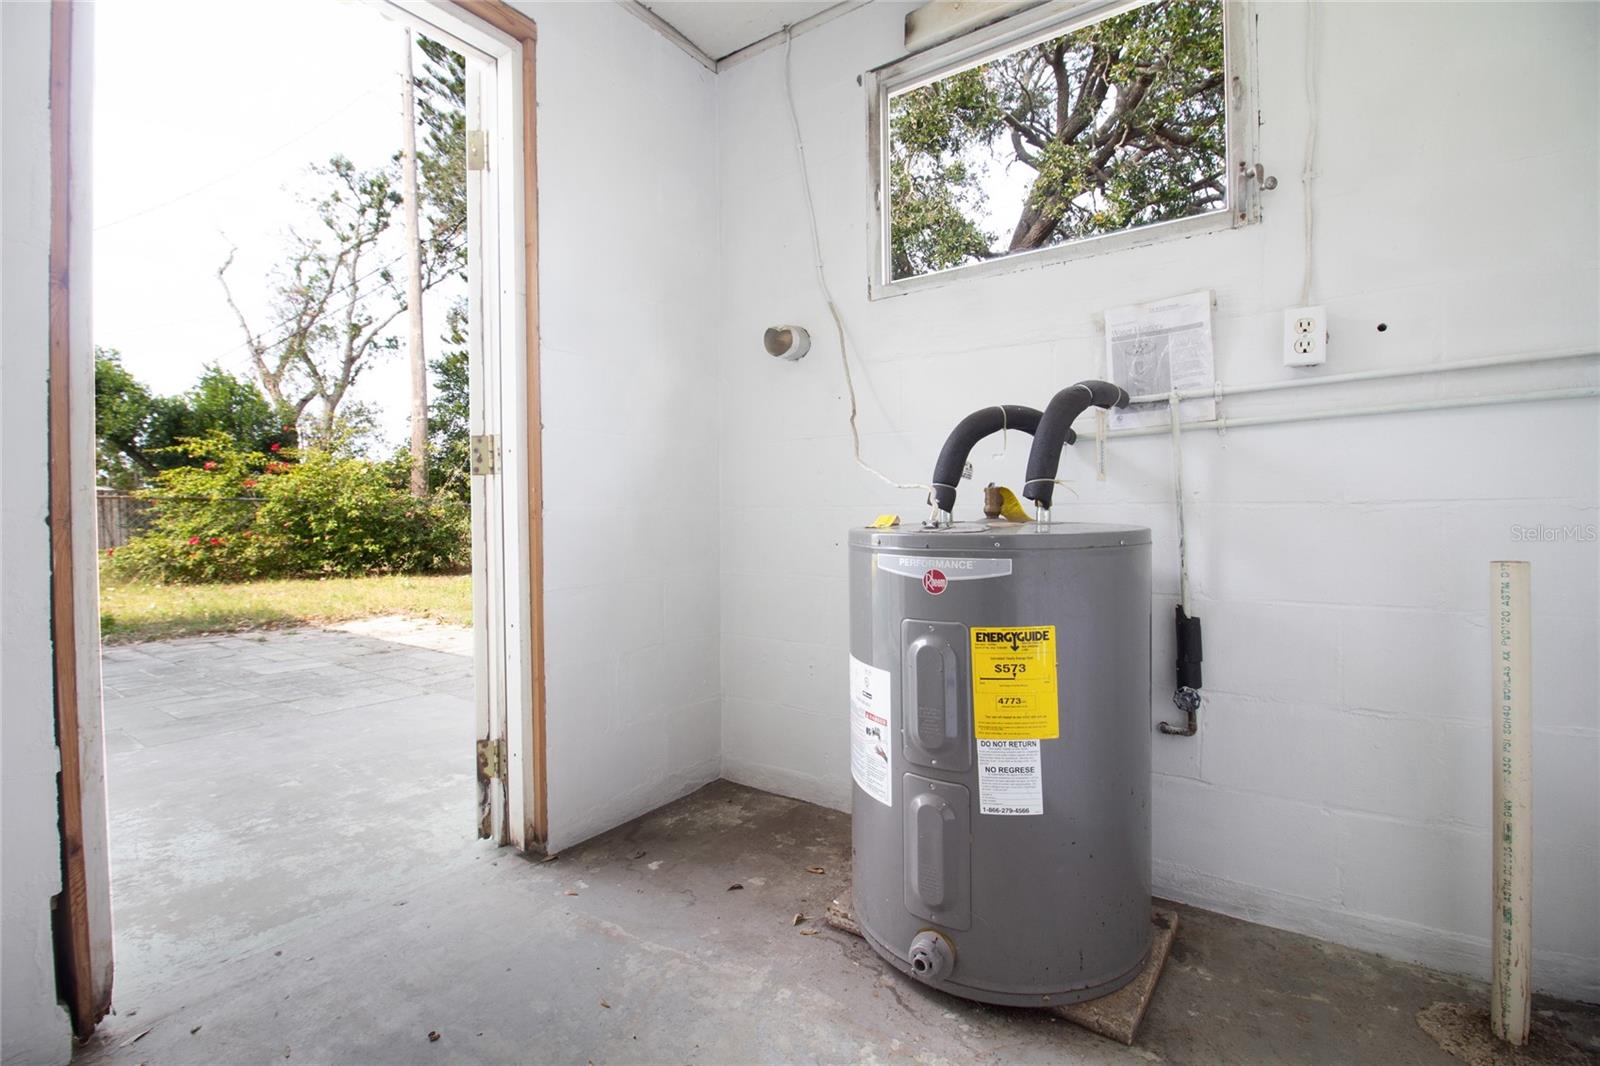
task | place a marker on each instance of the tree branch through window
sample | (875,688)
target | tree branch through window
(1110,126)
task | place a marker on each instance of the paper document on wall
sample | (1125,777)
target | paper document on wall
(1156,347)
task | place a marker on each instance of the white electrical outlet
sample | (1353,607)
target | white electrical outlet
(1305,336)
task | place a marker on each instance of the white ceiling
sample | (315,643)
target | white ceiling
(720,29)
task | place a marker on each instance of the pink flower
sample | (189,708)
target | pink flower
(216,540)
(210,465)
(277,447)
(194,540)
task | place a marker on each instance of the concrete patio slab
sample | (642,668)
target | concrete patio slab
(269,782)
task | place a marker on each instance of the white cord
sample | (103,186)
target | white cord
(1053,480)
(1308,174)
(1005,428)
(822,280)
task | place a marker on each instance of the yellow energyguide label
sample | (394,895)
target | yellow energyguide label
(1014,683)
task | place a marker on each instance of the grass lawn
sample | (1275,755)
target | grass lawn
(135,612)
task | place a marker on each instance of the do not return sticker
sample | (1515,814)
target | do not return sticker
(1010,780)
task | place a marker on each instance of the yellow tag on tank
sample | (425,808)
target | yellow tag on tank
(885,521)
(1014,683)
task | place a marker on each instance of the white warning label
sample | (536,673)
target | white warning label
(1009,778)
(871,746)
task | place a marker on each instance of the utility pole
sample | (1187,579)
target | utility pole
(419,361)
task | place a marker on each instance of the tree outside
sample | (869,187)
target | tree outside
(337,293)
(282,473)
(1110,126)
(139,434)
(449,413)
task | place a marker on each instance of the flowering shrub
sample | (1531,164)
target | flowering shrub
(243,515)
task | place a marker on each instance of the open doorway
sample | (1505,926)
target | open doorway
(317,621)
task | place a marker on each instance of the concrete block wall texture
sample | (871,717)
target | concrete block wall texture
(35,1028)
(1341,781)
(697,494)
(628,297)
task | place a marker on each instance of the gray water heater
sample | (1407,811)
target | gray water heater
(1000,747)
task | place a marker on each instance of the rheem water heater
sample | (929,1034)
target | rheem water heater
(1000,748)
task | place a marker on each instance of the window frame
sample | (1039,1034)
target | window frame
(1038,24)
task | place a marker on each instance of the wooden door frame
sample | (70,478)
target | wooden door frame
(83,915)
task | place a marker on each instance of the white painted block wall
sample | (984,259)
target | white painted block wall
(694,555)
(35,1028)
(628,298)
(1340,784)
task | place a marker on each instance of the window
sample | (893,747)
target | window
(1045,137)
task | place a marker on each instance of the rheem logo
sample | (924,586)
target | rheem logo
(934,582)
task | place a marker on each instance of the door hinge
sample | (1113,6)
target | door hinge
(477,150)
(483,454)
(491,760)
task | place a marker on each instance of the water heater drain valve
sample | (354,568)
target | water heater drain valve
(932,956)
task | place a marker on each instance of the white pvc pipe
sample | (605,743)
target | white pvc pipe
(1374,409)
(1417,370)
(1177,494)
(1510,624)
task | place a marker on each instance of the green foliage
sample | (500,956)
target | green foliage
(136,431)
(1121,123)
(123,407)
(442,158)
(935,190)
(242,515)
(932,225)
(449,414)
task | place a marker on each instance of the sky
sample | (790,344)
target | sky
(206,118)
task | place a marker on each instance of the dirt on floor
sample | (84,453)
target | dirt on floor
(1463,1030)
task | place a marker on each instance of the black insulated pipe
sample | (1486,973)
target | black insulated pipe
(968,432)
(1055,430)
(1189,655)
(1186,695)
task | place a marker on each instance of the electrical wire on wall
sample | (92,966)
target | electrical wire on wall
(1308,172)
(1186,693)
(822,279)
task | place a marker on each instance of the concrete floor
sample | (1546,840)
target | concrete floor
(297,881)
(265,784)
